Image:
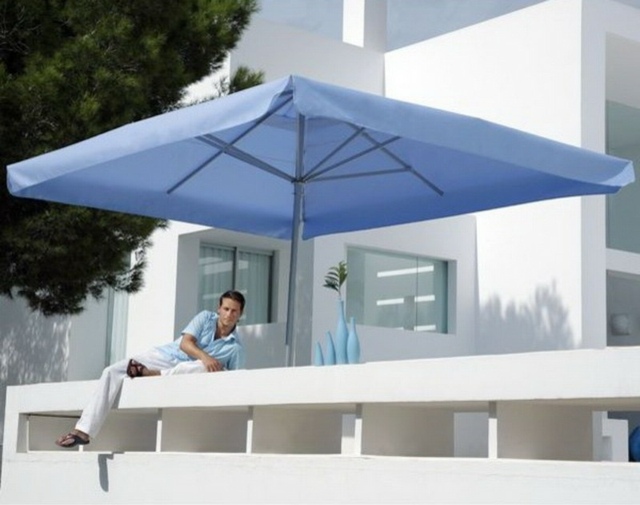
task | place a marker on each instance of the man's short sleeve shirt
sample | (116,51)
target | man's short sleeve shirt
(228,350)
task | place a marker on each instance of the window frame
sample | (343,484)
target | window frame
(236,252)
(446,283)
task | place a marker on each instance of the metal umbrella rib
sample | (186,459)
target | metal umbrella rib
(226,146)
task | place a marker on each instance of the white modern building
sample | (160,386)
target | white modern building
(499,349)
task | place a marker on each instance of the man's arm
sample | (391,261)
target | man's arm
(190,346)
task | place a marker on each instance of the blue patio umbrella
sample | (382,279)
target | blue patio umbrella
(296,158)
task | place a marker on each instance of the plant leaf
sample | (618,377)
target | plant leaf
(336,276)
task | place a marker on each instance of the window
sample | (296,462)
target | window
(623,211)
(394,290)
(223,268)
(117,318)
(117,313)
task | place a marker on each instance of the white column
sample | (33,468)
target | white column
(352,432)
(159,430)
(353,22)
(493,430)
(357,435)
(249,447)
(364,24)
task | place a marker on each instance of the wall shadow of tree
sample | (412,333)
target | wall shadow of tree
(540,324)
(33,348)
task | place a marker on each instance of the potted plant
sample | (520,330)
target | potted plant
(333,280)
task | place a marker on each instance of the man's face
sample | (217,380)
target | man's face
(229,312)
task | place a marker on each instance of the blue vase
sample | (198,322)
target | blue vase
(342,333)
(353,343)
(330,354)
(318,359)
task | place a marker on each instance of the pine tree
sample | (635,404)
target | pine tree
(72,69)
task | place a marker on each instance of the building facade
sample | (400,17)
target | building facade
(543,284)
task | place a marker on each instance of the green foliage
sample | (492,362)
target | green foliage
(335,278)
(69,70)
(242,78)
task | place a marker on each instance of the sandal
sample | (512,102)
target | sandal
(71,440)
(135,369)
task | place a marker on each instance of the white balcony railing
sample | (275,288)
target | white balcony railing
(535,410)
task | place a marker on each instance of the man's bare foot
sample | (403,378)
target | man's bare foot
(137,369)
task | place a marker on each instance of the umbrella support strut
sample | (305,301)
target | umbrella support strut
(296,235)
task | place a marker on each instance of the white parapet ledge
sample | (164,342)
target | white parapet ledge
(606,378)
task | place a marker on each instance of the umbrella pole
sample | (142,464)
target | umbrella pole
(296,235)
(290,341)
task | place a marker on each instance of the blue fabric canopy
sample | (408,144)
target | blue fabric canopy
(361,161)
(297,158)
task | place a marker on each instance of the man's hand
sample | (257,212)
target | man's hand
(211,364)
(189,346)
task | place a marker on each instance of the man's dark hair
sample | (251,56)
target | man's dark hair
(234,295)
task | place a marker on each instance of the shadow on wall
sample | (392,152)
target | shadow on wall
(33,348)
(541,324)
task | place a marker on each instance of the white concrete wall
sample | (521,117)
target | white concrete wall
(544,432)
(152,315)
(35,348)
(612,56)
(88,341)
(407,431)
(451,239)
(280,50)
(523,70)
(115,478)
(364,24)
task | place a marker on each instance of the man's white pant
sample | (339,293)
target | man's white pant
(110,383)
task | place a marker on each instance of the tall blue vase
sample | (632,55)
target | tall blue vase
(341,335)
(318,359)
(353,343)
(330,352)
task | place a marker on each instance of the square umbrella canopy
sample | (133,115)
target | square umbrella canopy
(296,158)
